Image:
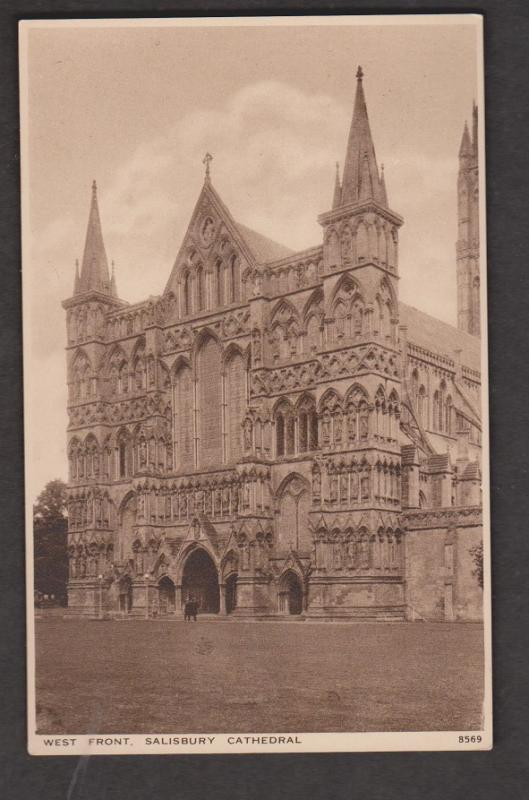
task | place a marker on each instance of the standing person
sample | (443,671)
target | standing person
(187,610)
(193,609)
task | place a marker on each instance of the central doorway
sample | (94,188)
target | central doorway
(200,581)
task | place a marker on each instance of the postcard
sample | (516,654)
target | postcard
(256,387)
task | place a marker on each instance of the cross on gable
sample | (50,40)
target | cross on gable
(208,158)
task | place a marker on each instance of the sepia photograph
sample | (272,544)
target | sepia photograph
(256,384)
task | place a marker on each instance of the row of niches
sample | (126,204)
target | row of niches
(90,561)
(335,424)
(167,506)
(116,377)
(120,456)
(359,551)
(91,510)
(360,483)
(349,316)
(365,240)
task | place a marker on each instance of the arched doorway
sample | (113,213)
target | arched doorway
(291,594)
(125,595)
(167,595)
(200,581)
(231,593)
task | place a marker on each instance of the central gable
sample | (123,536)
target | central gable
(216,252)
(212,237)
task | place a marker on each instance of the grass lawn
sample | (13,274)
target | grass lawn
(214,677)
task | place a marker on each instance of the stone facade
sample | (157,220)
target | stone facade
(276,434)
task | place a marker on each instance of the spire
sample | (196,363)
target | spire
(466,147)
(337,197)
(113,288)
(361,180)
(94,268)
(77,280)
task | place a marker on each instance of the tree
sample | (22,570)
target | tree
(476,553)
(50,533)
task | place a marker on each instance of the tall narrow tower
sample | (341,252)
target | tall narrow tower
(467,247)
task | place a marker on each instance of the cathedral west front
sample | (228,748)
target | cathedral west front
(277,434)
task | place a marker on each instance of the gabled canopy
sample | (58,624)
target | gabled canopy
(254,247)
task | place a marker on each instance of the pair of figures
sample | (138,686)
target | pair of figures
(190,609)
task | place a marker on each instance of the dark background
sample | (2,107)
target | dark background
(501,773)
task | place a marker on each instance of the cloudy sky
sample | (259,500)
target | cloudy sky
(137,108)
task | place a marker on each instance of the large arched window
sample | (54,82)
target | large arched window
(210,403)
(437,410)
